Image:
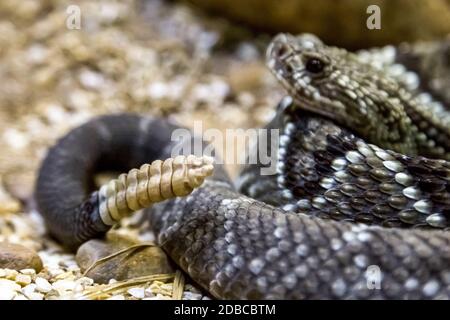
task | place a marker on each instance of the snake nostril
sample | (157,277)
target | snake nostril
(280,51)
(288,69)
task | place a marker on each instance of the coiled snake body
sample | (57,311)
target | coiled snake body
(337,206)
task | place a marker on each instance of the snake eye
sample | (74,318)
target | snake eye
(314,65)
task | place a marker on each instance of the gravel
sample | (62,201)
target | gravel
(161,66)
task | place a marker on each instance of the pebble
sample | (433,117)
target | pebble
(7,294)
(63,97)
(17,257)
(146,261)
(23,279)
(20,297)
(137,292)
(30,272)
(29,289)
(11,274)
(64,285)
(148,292)
(43,285)
(35,296)
(8,289)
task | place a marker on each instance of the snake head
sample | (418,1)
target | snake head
(337,84)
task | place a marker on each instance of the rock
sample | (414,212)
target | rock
(30,272)
(17,257)
(19,184)
(138,293)
(20,297)
(148,292)
(340,22)
(8,289)
(43,285)
(133,263)
(23,279)
(62,286)
(29,290)
(36,296)
(10,274)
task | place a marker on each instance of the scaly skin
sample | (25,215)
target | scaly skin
(280,240)
(380,103)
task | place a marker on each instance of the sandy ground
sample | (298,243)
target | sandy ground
(159,59)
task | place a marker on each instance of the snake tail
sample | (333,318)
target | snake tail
(66,196)
(151,183)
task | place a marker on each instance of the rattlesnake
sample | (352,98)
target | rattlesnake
(337,206)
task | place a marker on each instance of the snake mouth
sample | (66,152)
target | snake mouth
(300,101)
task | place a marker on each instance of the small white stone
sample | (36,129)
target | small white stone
(64,285)
(23,279)
(167,286)
(6,284)
(138,293)
(35,296)
(11,274)
(30,272)
(29,290)
(148,292)
(20,297)
(7,294)
(8,289)
(54,272)
(91,80)
(158,90)
(78,288)
(43,285)
(15,139)
(85,281)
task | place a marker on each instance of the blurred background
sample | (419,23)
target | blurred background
(190,60)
